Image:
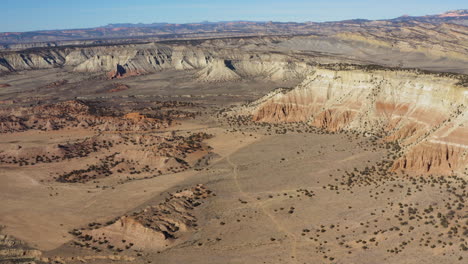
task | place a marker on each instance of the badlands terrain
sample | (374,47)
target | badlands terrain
(341,142)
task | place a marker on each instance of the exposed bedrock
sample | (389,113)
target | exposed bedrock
(14,251)
(153,228)
(129,60)
(426,113)
(132,58)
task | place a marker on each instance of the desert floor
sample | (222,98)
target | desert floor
(281,196)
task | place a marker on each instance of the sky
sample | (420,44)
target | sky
(29,15)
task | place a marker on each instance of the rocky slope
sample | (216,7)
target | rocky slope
(14,251)
(73,114)
(129,60)
(155,227)
(421,44)
(425,112)
(138,155)
(123,59)
(439,47)
(439,40)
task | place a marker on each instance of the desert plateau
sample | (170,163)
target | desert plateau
(236,142)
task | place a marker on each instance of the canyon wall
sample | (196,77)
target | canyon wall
(426,113)
(129,60)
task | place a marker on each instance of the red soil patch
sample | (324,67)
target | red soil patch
(56,83)
(118,87)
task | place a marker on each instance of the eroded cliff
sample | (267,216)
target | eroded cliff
(426,113)
(154,227)
(121,61)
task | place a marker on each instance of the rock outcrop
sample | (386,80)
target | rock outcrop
(137,155)
(117,61)
(132,60)
(425,112)
(219,71)
(248,67)
(153,228)
(13,251)
(73,113)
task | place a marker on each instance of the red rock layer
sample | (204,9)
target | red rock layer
(333,119)
(425,113)
(431,158)
(73,114)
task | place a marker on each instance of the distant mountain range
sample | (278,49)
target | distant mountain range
(454,16)
(161,31)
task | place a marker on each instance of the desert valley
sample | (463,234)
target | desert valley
(337,142)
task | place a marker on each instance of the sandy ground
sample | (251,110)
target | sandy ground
(167,85)
(280,198)
(260,214)
(30,213)
(252,216)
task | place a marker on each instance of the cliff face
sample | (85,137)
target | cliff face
(121,62)
(427,113)
(124,59)
(45,59)
(130,60)
(245,66)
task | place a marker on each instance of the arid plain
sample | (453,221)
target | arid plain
(345,148)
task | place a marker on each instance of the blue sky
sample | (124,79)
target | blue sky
(27,15)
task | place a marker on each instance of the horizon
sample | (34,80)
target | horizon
(28,15)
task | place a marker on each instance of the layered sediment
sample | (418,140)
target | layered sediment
(425,112)
(132,60)
(13,250)
(155,227)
